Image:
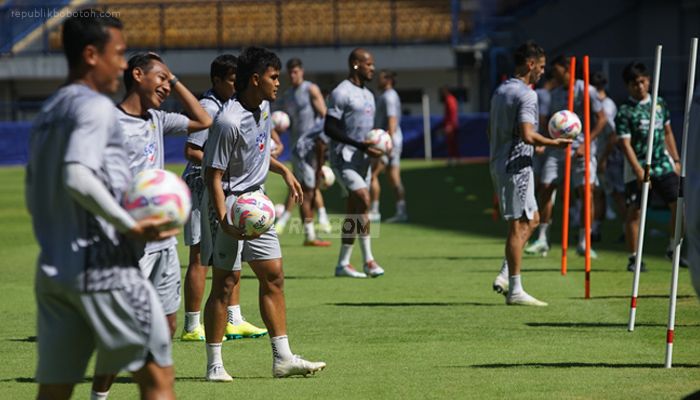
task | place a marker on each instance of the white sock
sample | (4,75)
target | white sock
(284,217)
(582,237)
(309,231)
(322,215)
(374,207)
(280,348)
(504,269)
(671,245)
(544,231)
(98,395)
(191,321)
(234,314)
(366,247)
(401,207)
(345,253)
(214,354)
(515,286)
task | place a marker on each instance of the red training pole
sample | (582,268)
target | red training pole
(567,171)
(587,183)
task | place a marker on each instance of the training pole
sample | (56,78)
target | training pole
(678,231)
(587,176)
(645,190)
(567,173)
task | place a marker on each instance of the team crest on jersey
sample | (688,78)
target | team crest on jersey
(150,152)
(260,141)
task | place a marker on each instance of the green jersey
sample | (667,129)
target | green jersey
(632,122)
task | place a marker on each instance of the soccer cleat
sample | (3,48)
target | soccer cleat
(197,335)
(317,243)
(295,366)
(501,285)
(373,269)
(348,271)
(630,265)
(538,247)
(398,218)
(581,250)
(246,330)
(682,261)
(325,227)
(374,216)
(523,299)
(217,373)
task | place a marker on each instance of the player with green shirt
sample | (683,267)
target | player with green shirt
(632,124)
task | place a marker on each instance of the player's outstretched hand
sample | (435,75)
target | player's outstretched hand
(562,142)
(373,151)
(152,229)
(294,187)
(236,232)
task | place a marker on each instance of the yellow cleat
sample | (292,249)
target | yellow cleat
(196,335)
(244,330)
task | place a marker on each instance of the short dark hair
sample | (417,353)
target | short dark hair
(633,71)
(83,28)
(294,63)
(355,55)
(390,75)
(599,80)
(141,60)
(254,60)
(527,51)
(222,66)
(561,61)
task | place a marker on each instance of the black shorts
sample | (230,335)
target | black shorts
(664,189)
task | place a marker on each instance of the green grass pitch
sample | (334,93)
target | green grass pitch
(431,328)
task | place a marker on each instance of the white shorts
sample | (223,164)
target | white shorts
(516,194)
(552,169)
(162,268)
(126,327)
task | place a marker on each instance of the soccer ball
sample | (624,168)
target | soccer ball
(253,212)
(158,193)
(564,124)
(280,120)
(328,177)
(380,139)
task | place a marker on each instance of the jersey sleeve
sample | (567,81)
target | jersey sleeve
(174,123)
(596,104)
(95,119)
(544,99)
(527,112)
(622,124)
(337,103)
(220,145)
(393,106)
(200,137)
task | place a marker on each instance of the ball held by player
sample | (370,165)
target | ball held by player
(253,212)
(158,193)
(564,124)
(380,139)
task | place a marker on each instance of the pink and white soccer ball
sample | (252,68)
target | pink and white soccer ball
(158,193)
(280,120)
(327,177)
(253,212)
(564,124)
(380,139)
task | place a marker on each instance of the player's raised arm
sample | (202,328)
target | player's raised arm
(199,118)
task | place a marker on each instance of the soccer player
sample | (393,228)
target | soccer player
(450,125)
(236,161)
(632,123)
(222,75)
(89,290)
(306,108)
(350,117)
(512,134)
(388,117)
(553,167)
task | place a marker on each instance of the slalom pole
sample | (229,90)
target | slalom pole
(678,230)
(567,174)
(587,182)
(645,190)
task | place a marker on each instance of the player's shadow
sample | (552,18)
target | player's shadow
(28,339)
(598,325)
(453,258)
(415,304)
(293,277)
(574,364)
(648,296)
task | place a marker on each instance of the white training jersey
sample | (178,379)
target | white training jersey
(354,107)
(389,105)
(560,101)
(78,249)
(212,105)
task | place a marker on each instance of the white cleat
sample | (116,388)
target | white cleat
(539,247)
(523,299)
(501,285)
(372,269)
(217,373)
(325,227)
(348,271)
(374,216)
(295,366)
